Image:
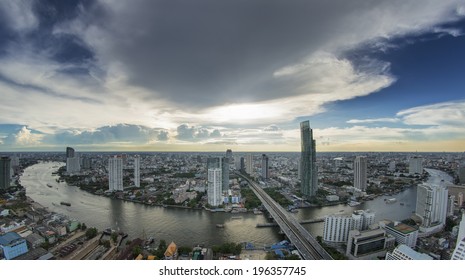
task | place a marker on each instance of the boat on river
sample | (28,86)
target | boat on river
(65,203)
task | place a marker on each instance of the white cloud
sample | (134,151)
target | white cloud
(389,120)
(19,14)
(441,114)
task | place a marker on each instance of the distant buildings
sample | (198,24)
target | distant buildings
(5,175)
(265,168)
(249,164)
(360,173)
(214,192)
(336,227)
(403,252)
(308,167)
(115,173)
(462,174)
(137,171)
(73,164)
(431,206)
(415,165)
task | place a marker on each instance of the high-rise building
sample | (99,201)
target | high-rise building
(223,164)
(137,171)
(242,168)
(69,152)
(309,171)
(450,205)
(431,205)
(249,164)
(265,167)
(459,252)
(115,173)
(86,163)
(73,165)
(214,186)
(360,173)
(462,174)
(415,165)
(404,252)
(229,154)
(5,173)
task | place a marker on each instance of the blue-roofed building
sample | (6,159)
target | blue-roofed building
(12,245)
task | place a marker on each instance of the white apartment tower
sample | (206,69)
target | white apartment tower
(115,174)
(214,186)
(337,227)
(360,173)
(137,171)
(431,205)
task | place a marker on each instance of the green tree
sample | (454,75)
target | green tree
(91,233)
(136,251)
(83,226)
(114,237)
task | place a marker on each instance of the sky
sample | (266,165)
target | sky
(211,75)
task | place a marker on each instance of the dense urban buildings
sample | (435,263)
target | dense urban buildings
(308,169)
(115,173)
(360,173)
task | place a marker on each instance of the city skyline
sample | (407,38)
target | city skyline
(111,76)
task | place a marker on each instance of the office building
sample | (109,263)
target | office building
(5,173)
(223,164)
(415,165)
(360,173)
(404,234)
(265,168)
(308,168)
(229,155)
(249,164)
(431,206)
(137,171)
(115,173)
(13,245)
(214,192)
(73,165)
(368,244)
(242,166)
(404,252)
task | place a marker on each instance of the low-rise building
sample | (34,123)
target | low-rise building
(404,252)
(403,233)
(13,245)
(368,244)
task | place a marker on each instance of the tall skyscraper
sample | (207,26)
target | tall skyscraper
(242,167)
(137,171)
(223,164)
(214,186)
(69,152)
(5,176)
(265,168)
(249,164)
(115,173)
(431,205)
(360,173)
(229,155)
(308,169)
(415,165)
(461,172)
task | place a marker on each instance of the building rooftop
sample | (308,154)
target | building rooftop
(403,228)
(9,238)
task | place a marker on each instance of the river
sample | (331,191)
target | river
(184,226)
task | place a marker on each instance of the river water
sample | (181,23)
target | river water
(184,226)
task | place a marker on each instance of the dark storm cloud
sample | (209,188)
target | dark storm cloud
(207,52)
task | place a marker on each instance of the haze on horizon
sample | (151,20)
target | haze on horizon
(209,75)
